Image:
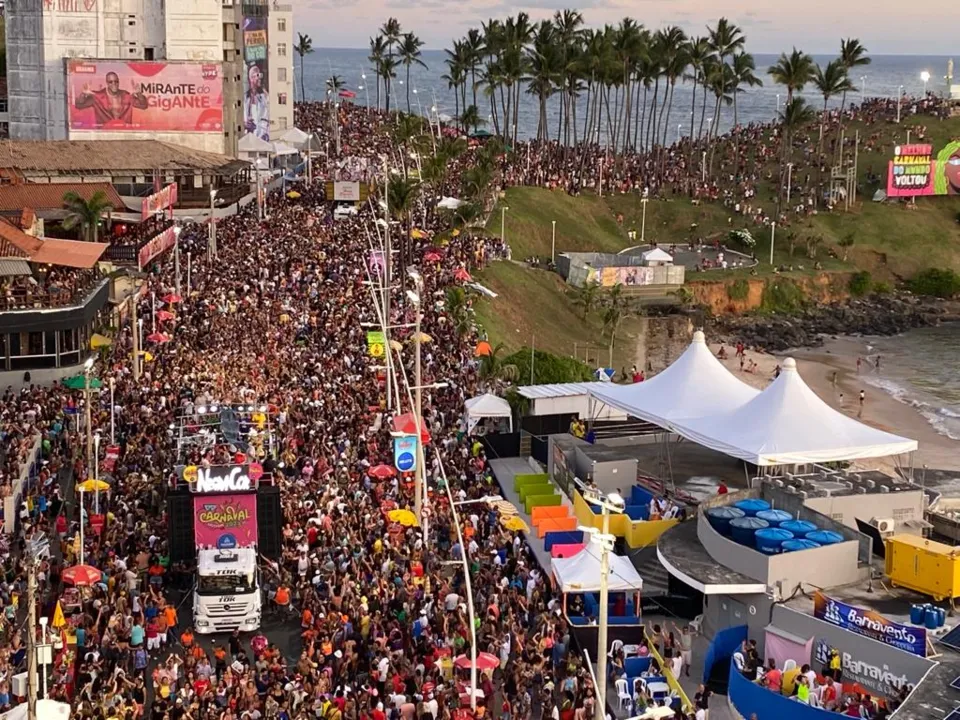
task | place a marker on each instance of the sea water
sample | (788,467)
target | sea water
(882,78)
(920,368)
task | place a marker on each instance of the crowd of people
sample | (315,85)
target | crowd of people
(47,287)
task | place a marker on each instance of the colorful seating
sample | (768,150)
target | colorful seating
(565,550)
(532,479)
(548,511)
(528,490)
(561,538)
(533,501)
(556,524)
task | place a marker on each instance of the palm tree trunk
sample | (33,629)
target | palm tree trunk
(666,130)
(703,111)
(408,88)
(643,115)
(736,134)
(559,118)
(587,117)
(473,83)
(303,92)
(693,103)
(653,113)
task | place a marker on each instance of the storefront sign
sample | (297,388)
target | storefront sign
(873,679)
(225,522)
(222,478)
(871,624)
(405,453)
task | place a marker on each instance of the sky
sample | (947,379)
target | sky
(771,26)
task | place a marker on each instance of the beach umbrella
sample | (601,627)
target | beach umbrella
(396,345)
(483,349)
(147,356)
(515,523)
(158,337)
(485,661)
(403,517)
(82,575)
(172,298)
(98,341)
(461,275)
(424,338)
(417,234)
(505,507)
(381,472)
(92,485)
(293,195)
(77,383)
(164,315)
(432,257)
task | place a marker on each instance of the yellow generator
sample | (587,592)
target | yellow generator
(927,566)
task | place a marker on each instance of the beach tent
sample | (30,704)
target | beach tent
(656,257)
(581,572)
(695,385)
(788,424)
(449,203)
(486,406)
(250,143)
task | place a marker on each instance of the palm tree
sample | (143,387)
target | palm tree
(615,308)
(586,298)
(303,48)
(334,85)
(470,118)
(852,55)
(378,50)
(674,65)
(545,63)
(387,69)
(456,76)
(457,306)
(391,33)
(699,52)
(830,82)
(403,193)
(492,366)
(743,75)
(85,214)
(726,39)
(409,53)
(473,46)
(793,71)
(794,115)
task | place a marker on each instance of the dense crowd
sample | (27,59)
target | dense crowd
(48,287)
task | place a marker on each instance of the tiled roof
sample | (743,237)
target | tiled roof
(15,243)
(92,156)
(49,196)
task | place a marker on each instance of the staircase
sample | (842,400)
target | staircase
(655,577)
(526,444)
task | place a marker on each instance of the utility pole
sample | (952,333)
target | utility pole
(387,276)
(176,255)
(87,367)
(418,379)
(773,235)
(134,301)
(35,548)
(643,219)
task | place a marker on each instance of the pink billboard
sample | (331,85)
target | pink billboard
(144,96)
(225,521)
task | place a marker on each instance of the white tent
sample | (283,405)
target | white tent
(789,424)
(656,256)
(581,572)
(449,203)
(280,148)
(295,136)
(250,143)
(486,406)
(695,385)
(47,709)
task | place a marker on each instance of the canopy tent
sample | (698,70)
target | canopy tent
(657,256)
(581,573)
(47,709)
(789,424)
(486,406)
(696,385)
(295,136)
(250,143)
(449,203)
(280,148)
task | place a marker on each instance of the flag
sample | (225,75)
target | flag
(58,620)
(347,94)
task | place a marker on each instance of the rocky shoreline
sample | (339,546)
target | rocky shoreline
(875,315)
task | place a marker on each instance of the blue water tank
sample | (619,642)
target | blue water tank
(742,530)
(917,613)
(752,506)
(825,537)
(941,617)
(769,541)
(774,517)
(932,618)
(720,518)
(798,544)
(800,528)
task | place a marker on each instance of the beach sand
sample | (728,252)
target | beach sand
(817,367)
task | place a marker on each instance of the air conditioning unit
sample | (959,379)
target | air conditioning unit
(884,525)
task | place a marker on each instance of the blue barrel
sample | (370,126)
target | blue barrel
(742,530)
(752,506)
(798,544)
(770,540)
(774,517)
(825,537)
(931,619)
(800,528)
(941,617)
(917,613)
(720,518)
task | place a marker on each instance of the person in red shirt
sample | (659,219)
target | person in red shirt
(722,488)
(773,677)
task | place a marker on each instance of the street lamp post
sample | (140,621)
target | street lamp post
(366,92)
(553,241)
(703,167)
(82,511)
(925,76)
(773,237)
(189,268)
(96,471)
(679,131)
(212,246)
(113,414)
(414,298)
(176,256)
(863,89)
(899,98)
(88,415)
(503,224)
(643,218)
(789,181)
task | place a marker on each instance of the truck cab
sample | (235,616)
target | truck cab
(227,594)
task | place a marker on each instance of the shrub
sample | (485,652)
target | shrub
(936,282)
(738,290)
(743,238)
(782,295)
(548,368)
(860,283)
(882,288)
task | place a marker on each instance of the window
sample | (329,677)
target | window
(282,24)
(148,53)
(282,74)
(281,49)
(282,98)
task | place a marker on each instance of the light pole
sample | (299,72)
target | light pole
(643,218)
(176,256)
(212,246)
(414,298)
(778,105)
(96,472)
(189,268)
(925,76)
(88,415)
(703,167)
(679,130)
(503,224)
(309,159)
(773,236)
(789,180)
(366,92)
(553,241)
(134,328)
(82,511)
(899,97)
(113,434)
(863,89)
(610,503)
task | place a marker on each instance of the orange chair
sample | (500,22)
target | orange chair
(556,524)
(548,511)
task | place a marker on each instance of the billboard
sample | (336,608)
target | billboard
(405,453)
(225,521)
(871,624)
(144,96)
(915,171)
(256,89)
(156,246)
(159,201)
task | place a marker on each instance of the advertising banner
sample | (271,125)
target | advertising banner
(862,675)
(871,624)
(346,191)
(610,276)
(256,89)
(156,203)
(376,263)
(144,96)
(225,522)
(405,453)
(157,246)
(915,172)
(376,343)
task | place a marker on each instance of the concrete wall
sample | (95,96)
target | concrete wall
(281,42)
(194,30)
(607,473)
(723,611)
(901,506)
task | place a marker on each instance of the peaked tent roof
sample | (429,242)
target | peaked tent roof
(581,572)
(657,255)
(488,405)
(788,424)
(295,136)
(695,385)
(250,143)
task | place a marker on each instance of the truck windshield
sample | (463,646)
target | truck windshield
(224,584)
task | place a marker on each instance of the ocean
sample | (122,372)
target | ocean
(882,78)
(919,368)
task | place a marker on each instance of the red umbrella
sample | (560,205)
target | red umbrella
(82,575)
(158,337)
(433,257)
(163,315)
(462,275)
(407,424)
(485,661)
(381,472)
(172,298)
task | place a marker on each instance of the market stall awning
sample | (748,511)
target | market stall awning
(581,573)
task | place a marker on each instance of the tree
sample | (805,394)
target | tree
(409,53)
(586,297)
(391,33)
(852,55)
(493,367)
(456,76)
(458,308)
(742,74)
(378,51)
(303,48)
(699,53)
(847,242)
(85,214)
(830,82)
(615,305)
(793,71)
(403,193)
(470,118)
(795,114)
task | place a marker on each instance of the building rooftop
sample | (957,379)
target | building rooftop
(840,483)
(49,196)
(97,156)
(681,553)
(15,243)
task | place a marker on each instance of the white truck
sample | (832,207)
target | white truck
(227,595)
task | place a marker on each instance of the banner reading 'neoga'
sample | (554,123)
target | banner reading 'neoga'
(137,96)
